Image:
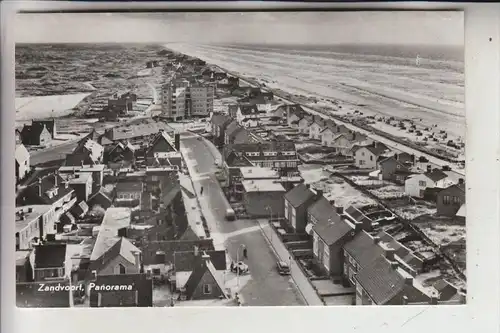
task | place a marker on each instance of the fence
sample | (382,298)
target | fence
(407,223)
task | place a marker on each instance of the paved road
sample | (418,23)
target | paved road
(266,287)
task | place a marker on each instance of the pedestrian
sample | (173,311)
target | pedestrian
(245,253)
(201,191)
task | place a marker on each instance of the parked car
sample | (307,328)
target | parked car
(241,266)
(283,268)
(230,214)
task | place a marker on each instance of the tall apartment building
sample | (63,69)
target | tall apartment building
(181,99)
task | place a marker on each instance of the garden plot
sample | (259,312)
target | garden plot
(362,180)
(342,193)
(411,212)
(312,173)
(389,192)
(441,230)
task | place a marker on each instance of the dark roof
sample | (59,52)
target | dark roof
(363,248)
(232,108)
(460,187)
(249,109)
(375,148)
(80,209)
(267,146)
(330,233)
(28,295)
(50,255)
(436,175)
(184,261)
(233,128)
(323,211)
(48,183)
(170,247)
(32,131)
(385,285)
(299,195)
(401,251)
(221,120)
(445,289)
(128,187)
(201,267)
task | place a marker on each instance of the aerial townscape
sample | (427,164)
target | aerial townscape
(150,177)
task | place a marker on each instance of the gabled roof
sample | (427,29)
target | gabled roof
(299,195)
(50,256)
(47,183)
(462,211)
(80,209)
(376,149)
(233,128)
(170,247)
(21,154)
(323,211)
(332,232)
(445,290)
(357,215)
(248,109)
(114,219)
(161,137)
(33,131)
(199,271)
(436,175)
(185,261)
(363,248)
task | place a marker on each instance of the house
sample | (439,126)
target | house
(185,263)
(24,271)
(447,293)
(294,113)
(235,134)
(35,134)
(232,109)
(322,211)
(129,290)
(378,278)
(416,185)
(341,138)
(304,124)
(82,184)
(99,199)
(19,139)
(329,237)
(248,116)
(162,143)
(316,128)
(393,170)
(219,123)
(87,152)
(50,124)
(263,197)
(22,157)
(97,172)
(358,217)
(33,223)
(113,253)
(406,159)
(296,202)
(205,282)
(49,190)
(129,192)
(119,152)
(80,210)
(366,157)
(451,199)
(50,262)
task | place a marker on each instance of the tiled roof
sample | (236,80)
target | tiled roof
(405,255)
(445,290)
(332,232)
(128,187)
(144,128)
(114,219)
(162,137)
(48,183)
(248,109)
(170,247)
(323,211)
(299,195)
(358,216)
(436,175)
(198,273)
(184,261)
(21,154)
(376,149)
(363,248)
(80,209)
(50,256)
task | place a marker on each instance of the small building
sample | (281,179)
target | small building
(36,134)
(87,152)
(186,261)
(417,184)
(50,262)
(316,128)
(123,290)
(293,112)
(393,170)
(205,282)
(366,157)
(96,170)
(80,209)
(99,199)
(24,271)
(219,124)
(248,116)
(304,124)
(119,152)
(450,199)
(129,192)
(22,157)
(82,184)
(296,202)
(263,197)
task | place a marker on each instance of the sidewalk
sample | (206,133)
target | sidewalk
(301,281)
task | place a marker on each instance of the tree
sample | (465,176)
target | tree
(97,210)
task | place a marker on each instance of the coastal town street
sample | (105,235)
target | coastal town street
(266,287)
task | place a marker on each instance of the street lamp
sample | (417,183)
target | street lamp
(237,261)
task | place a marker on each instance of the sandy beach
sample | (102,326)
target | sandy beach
(430,93)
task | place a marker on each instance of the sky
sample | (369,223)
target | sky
(427,28)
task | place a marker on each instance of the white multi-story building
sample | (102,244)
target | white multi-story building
(187,100)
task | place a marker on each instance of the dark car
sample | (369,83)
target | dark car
(283,268)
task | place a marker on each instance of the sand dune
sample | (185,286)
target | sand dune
(37,107)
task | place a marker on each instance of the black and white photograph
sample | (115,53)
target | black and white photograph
(245,158)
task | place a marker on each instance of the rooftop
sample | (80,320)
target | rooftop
(299,195)
(262,185)
(81,178)
(258,173)
(114,219)
(26,214)
(84,168)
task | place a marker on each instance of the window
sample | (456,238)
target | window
(398,166)
(315,244)
(351,276)
(207,289)
(361,162)
(422,183)
(122,269)
(326,258)
(446,199)
(362,153)
(456,200)
(371,158)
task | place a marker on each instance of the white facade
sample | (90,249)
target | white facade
(416,184)
(315,131)
(202,100)
(304,126)
(292,118)
(181,101)
(365,159)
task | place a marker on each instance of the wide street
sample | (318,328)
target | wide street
(266,287)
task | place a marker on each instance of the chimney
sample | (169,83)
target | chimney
(81,163)
(177,143)
(160,257)
(376,239)
(433,300)
(39,187)
(137,256)
(429,168)
(409,281)
(389,254)
(340,210)
(319,194)
(122,232)
(460,181)
(358,226)
(394,265)
(56,175)
(308,186)
(196,251)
